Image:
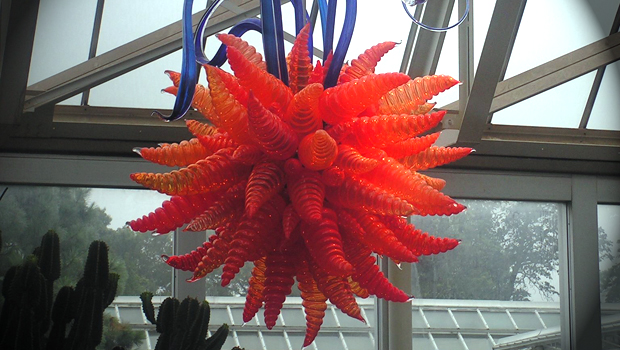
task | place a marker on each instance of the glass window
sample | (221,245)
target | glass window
(62,38)
(607,100)
(609,266)
(80,216)
(501,281)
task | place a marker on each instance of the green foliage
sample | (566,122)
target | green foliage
(119,334)
(508,249)
(183,325)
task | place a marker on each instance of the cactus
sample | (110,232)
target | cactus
(28,311)
(183,325)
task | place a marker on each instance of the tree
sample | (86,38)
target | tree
(508,250)
(27,212)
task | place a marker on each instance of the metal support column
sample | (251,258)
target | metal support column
(584,316)
(185,242)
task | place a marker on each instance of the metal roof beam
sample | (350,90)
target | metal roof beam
(491,68)
(127,57)
(556,72)
(598,79)
(428,45)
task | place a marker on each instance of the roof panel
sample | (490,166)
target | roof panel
(124,21)
(560,107)
(62,37)
(548,31)
(607,105)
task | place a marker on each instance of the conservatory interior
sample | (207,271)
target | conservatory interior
(538,262)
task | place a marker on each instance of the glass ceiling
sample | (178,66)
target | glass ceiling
(548,29)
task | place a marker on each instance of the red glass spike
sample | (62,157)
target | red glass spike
(248,51)
(325,244)
(298,61)
(175,154)
(275,138)
(266,179)
(255,296)
(365,63)
(345,101)
(302,113)
(269,90)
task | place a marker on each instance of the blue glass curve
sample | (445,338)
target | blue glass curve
(331,78)
(189,70)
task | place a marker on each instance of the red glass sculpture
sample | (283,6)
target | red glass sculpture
(306,182)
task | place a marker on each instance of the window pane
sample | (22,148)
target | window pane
(609,266)
(501,282)
(80,216)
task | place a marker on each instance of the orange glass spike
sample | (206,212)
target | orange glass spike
(269,90)
(216,142)
(343,102)
(200,129)
(350,159)
(325,245)
(254,237)
(411,146)
(318,74)
(424,108)
(290,220)
(382,240)
(201,101)
(302,114)
(279,278)
(175,154)
(395,178)
(216,172)
(317,151)
(383,130)
(223,209)
(255,296)
(173,213)
(337,290)
(420,243)
(358,290)
(266,179)
(248,51)
(368,275)
(298,61)
(434,182)
(275,138)
(365,63)
(408,97)
(175,77)
(232,115)
(307,193)
(313,301)
(434,157)
(248,154)
(333,176)
(189,261)
(216,254)
(357,193)
(233,86)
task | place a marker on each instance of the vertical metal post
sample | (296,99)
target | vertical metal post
(466,56)
(399,314)
(17,42)
(583,271)
(185,242)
